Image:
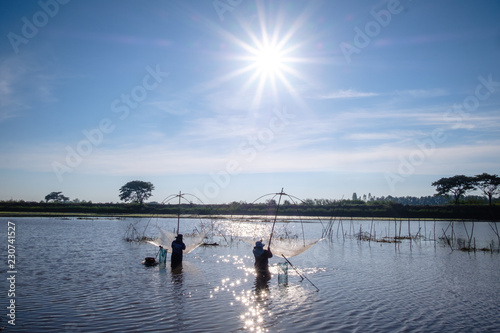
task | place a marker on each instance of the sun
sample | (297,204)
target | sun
(269,63)
(268,55)
(269,60)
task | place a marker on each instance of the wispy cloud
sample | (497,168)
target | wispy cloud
(378,136)
(174,158)
(422,93)
(349,93)
(354,94)
(23,84)
(11,102)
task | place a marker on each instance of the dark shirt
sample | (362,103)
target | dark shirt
(178,247)
(262,261)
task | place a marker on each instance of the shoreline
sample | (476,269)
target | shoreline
(236,218)
(382,210)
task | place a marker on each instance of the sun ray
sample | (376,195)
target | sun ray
(269,47)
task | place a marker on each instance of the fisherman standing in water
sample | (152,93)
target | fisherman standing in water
(177,247)
(262,261)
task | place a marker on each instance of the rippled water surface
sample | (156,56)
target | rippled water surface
(82,276)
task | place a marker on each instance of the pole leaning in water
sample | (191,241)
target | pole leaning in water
(301,275)
(275,217)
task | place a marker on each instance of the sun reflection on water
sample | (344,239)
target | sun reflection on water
(258,303)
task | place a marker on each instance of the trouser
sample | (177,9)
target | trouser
(176,260)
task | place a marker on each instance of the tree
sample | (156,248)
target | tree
(456,185)
(354,196)
(488,184)
(136,191)
(56,197)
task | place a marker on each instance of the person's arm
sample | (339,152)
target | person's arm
(269,254)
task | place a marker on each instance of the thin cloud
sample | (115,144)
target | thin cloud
(411,93)
(279,156)
(378,136)
(22,84)
(423,93)
(349,93)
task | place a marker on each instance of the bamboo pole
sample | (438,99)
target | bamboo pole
(275,217)
(179,212)
(301,275)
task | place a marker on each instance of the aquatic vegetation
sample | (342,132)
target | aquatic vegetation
(133,235)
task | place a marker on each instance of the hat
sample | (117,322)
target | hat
(179,236)
(259,244)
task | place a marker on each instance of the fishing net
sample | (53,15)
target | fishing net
(291,247)
(287,247)
(166,238)
(285,242)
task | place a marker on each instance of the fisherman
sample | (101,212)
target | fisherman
(177,247)
(262,261)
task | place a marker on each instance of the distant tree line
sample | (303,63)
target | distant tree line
(341,208)
(457,186)
(450,190)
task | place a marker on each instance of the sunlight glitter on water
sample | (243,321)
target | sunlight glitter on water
(414,286)
(244,229)
(254,299)
(254,316)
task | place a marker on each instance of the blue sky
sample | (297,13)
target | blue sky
(233,99)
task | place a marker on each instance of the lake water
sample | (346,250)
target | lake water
(77,275)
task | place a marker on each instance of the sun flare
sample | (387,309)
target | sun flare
(269,60)
(271,55)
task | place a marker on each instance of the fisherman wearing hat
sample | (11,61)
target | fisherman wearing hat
(177,247)
(261,261)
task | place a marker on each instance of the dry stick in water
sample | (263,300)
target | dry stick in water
(446,238)
(330,228)
(471,234)
(395,227)
(467,233)
(400,222)
(420,231)
(371,226)
(444,233)
(452,231)
(341,224)
(495,230)
(434,229)
(425,228)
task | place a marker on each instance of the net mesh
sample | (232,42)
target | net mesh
(165,239)
(287,246)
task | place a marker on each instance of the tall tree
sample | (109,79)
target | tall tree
(136,191)
(56,197)
(488,184)
(456,185)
